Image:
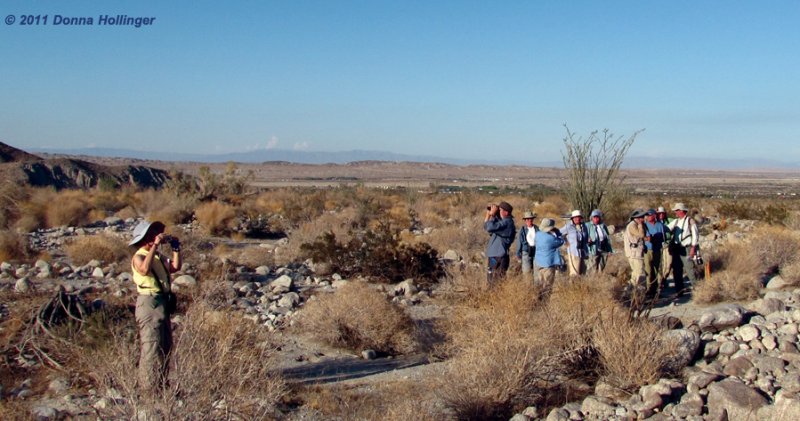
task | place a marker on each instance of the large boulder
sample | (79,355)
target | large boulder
(736,399)
(686,342)
(721,317)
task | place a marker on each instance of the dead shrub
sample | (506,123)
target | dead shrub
(70,208)
(103,247)
(221,365)
(500,353)
(727,285)
(631,351)
(14,247)
(774,246)
(358,317)
(216,218)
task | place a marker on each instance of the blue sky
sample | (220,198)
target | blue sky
(460,79)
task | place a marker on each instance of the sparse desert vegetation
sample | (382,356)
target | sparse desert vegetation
(340,254)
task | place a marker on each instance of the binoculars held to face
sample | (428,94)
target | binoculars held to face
(173,242)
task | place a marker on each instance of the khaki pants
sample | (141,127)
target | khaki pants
(652,270)
(547,276)
(597,263)
(155,334)
(637,270)
(577,265)
(666,262)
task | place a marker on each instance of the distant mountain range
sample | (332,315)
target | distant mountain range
(341,157)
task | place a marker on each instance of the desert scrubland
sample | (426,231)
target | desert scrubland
(304,284)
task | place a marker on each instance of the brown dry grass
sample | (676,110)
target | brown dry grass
(217,356)
(104,247)
(395,401)
(509,350)
(338,223)
(216,218)
(738,268)
(14,247)
(359,317)
(69,207)
(631,352)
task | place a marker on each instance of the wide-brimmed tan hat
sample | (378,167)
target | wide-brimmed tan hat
(575,213)
(547,225)
(142,228)
(680,206)
(661,210)
(528,215)
(638,213)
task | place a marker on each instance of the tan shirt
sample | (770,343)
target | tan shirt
(633,237)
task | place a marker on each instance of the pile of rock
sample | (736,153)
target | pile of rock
(747,366)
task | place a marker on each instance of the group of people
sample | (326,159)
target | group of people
(654,245)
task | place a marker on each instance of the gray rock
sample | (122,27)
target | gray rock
(721,317)
(784,409)
(339,283)
(282,284)
(113,221)
(369,354)
(262,270)
(519,417)
(733,397)
(595,406)
(767,364)
(185,281)
(44,274)
(58,386)
(44,413)
(737,367)
(789,329)
(768,306)
(289,300)
(728,348)
(606,390)
(6,267)
(777,282)
(93,263)
(748,333)
(702,379)
(97,273)
(558,414)
(711,350)
(451,255)
(686,343)
(690,404)
(23,285)
(791,382)
(784,296)
(21,271)
(531,412)
(406,288)
(770,342)
(41,265)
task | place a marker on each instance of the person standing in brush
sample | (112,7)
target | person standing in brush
(499,223)
(156,302)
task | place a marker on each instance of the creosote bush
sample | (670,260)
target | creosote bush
(359,317)
(377,254)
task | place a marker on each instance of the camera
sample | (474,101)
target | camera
(698,260)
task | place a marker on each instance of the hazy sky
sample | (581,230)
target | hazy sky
(460,79)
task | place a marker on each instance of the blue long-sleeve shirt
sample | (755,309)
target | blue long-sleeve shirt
(502,231)
(547,246)
(657,232)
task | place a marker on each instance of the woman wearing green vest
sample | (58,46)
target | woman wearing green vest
(151,274)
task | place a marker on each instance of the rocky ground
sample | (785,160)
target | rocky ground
(742,358)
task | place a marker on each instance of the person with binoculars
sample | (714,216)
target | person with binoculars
(499,223)
(684,247)
(156,301)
